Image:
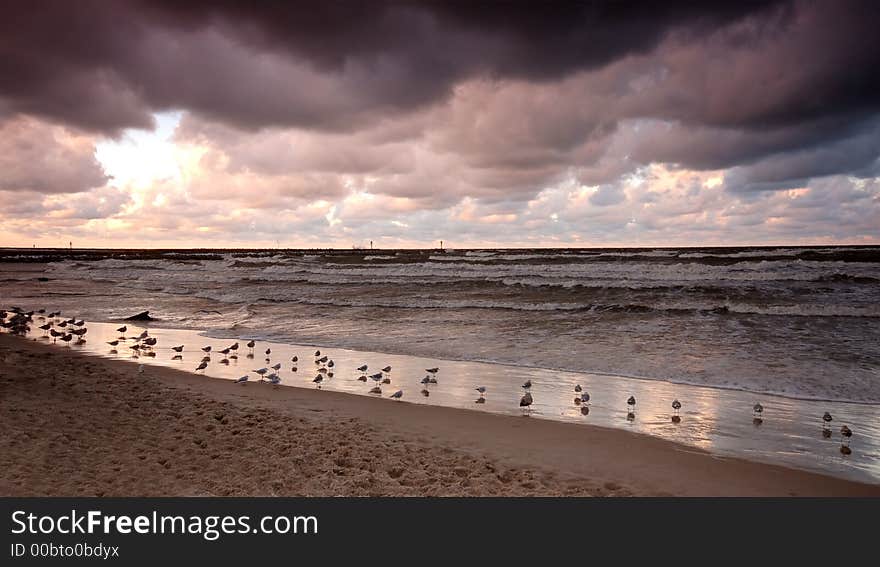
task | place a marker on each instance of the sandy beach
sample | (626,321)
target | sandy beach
(84,425)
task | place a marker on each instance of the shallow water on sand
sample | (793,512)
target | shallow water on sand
(716,420)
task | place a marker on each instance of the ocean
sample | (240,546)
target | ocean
(797,322)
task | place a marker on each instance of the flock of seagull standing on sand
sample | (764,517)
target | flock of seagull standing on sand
(17,321)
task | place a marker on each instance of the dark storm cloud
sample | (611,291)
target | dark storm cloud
(106,65)
(502,99)
(513,39)
(857,156)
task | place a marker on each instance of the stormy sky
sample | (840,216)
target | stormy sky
(135,123)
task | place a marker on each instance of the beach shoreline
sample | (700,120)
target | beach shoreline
(85,425)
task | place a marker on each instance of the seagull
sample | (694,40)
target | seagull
(578,388)
(426,380)
(317,353)
(827,417)
(585,397)
(276,367)
(113,343)
(142,336)
(122,329)
(526,400)
(294,359)
(243,379)
(224,352)
(845,433)
(67,338)
(80,323)
(631,401)
(386,369)
(481,389)
(330,364)
(758,409)
(362,368)
(318,379)
(527,384)
(322,360)
(233,346)
(268,351)
(149,341)
(274,379)
(432,370)
(262,371)
(207,348)
(251,344)
(201,366)
(46,327)
(177,348)
(397,395)
(676,405)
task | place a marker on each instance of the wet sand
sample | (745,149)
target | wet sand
(84,425)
